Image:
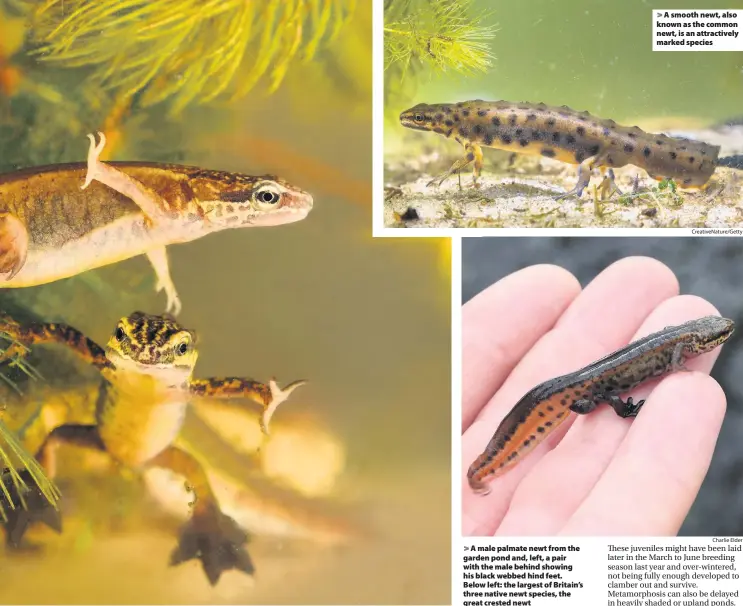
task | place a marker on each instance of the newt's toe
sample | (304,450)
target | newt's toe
(217,541)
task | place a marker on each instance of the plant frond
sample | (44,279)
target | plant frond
(188,51)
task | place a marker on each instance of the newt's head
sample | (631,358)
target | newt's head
(236,200)
(155,345)
(711,332)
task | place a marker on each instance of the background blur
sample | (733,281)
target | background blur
(707,267)
(366,321)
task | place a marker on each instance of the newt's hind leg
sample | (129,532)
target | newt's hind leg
(40,509)
(268,396)
(49,332)
(473,153)
(209,536)
(584,175)
(158,258)
(154,207)
(13,245)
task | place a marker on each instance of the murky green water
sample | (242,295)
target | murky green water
(366,321)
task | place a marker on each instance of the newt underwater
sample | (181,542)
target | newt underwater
(549,404)
(566,135)
(62,220)
(146,370)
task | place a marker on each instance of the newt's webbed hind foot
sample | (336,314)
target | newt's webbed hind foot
(216,540)
(20,513)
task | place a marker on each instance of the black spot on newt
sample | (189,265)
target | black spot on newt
(523,142)
(537,135)
(555,137)
(506,139)
(482,112)
(518,132)
(531,117)
(465,112)
(570,139)
(487,139)
(463,131)
(549,153)
(629,148)
(448,110)
(470,156)
(439,117)
(581,131)
(632,135)
(512,119)
(646,152)
(477,129)
(594,149)
(496,121)
(550,122)
(580,155)
(673,155)
(691,159)
(449,123)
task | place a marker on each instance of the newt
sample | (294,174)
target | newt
(549,404)
(61,220)
(566,135)
(27,483)
(147,384)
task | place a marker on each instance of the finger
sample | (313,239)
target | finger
(626,292)
(541,505)
(654,478)
(502,323)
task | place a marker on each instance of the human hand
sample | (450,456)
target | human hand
(597,474)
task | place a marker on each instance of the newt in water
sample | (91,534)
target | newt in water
(568,136)
(147,369)
(62,220)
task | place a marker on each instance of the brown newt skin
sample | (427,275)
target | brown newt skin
(565,135)
(549,404)
(147,369)
(59,221)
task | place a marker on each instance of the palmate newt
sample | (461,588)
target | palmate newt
(568,136)
(549,404)
(61,220)
(147,384)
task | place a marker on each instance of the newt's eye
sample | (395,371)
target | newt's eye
(267,196)
(119,334)
(419,118)
(182,348)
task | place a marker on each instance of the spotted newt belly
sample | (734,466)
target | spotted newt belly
(563,134)
(549,404)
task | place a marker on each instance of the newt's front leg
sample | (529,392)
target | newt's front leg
(210,535)
(268,396)
(473,153)
(49,332)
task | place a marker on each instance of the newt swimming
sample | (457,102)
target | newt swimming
(62,220)
(568,136)
(548,405)
(147,369)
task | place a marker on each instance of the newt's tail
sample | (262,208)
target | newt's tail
(732,162)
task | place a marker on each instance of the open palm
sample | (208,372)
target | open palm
(597,474)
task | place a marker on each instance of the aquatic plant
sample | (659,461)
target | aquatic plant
(188,51)
(442,35)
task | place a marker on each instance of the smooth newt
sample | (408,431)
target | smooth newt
(147,369)
(568,136)
(62,220)
(548,405)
